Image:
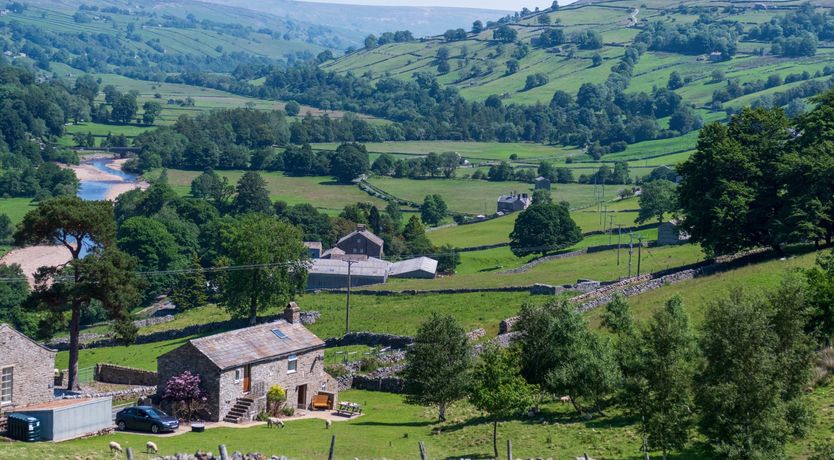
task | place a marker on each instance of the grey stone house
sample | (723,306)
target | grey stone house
(238,367)
(514,202)
(361,242)
(27,370)
(541,183)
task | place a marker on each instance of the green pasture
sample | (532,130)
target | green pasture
(16,208)
(486,151)
(321,192)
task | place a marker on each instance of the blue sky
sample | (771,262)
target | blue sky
(510,5)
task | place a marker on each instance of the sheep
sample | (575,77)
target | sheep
(274,421)
(115,447)
(327,424)
(565,399)
(151,448)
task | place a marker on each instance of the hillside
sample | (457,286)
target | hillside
(421,21)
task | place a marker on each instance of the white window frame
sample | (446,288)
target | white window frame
(3,401)
(238,374)
(292,364)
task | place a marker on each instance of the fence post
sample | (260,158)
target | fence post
(509,449)
(224,455)
(129,453)
(332,447)
(422,450)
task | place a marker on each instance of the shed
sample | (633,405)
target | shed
(420,267)
(314,248)
(671,233)
(71,418)
(541,183)
(333,273)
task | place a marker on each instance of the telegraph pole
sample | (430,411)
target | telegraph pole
(347,305)
(639,247)
(604,217)
(619,234)
(630,251)
(610,226)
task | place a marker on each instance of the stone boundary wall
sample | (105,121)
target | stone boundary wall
(101,340)
(370,339)
(430,291)
(111,373)
(386,384)
(572,253)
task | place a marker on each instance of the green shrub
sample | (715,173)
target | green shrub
(336,370)
(369,364)
(276,394)
(288,411)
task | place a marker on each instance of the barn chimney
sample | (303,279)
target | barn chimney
(360,227)
(292,314)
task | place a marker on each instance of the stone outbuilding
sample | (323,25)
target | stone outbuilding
(669,233)
(238,367)
(361,242)
(27,370)
(541,183)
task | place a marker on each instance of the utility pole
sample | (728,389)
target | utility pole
(347,305)
(610,226)
(639,246)
(630,251)
(619,234)
(604,217)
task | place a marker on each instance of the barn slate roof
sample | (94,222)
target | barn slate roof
(256,343)
(370,236)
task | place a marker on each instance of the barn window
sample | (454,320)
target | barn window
(237,375)
(6,379)
(292,364)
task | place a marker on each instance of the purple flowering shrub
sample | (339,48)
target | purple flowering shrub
(185,395)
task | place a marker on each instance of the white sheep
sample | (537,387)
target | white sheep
(327,424)
(565,399)
(151,448)
(115,447)
(274,421)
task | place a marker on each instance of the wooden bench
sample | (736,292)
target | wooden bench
(321,402)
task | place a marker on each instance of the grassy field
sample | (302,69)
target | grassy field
(322,192)
(16,208)
(391,429)
(490,151)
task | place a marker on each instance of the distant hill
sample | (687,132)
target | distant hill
(421,21)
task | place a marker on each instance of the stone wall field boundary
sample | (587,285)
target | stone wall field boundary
(111,373)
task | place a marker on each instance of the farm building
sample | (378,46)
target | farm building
(514,202)
(420,267)
(361,242)
(541,183)
(333,273)
(671,233)
(238,367)
(64,419)
(27,370)
(314,248)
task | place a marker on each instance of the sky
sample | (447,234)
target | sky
(507,5)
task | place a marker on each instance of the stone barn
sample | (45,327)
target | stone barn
(670,233)
(238,367)
(514,202)
(27,370)
(361,242)
(541,183)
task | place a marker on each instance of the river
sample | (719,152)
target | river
(99,188)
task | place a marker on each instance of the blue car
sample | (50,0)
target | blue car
(146,418)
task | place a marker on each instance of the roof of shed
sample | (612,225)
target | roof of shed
(424,264)
(369,267)
(256,343)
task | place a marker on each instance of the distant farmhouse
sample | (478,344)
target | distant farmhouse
(358,256)
(514,202)
(237,368)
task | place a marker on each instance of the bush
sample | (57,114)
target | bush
(369,364)
(276,394)
(288,411)
(184,392)
(336,370)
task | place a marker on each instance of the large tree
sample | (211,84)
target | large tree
(499,389)
(433,209)
(562,355)
(731,192)
(265,265)
(349,162)
(657,198)
(252,195)
(543,227)
(437,365)
(77,225)
(757,363)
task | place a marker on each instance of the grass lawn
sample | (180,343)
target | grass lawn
(16,208)
(391,429)
(142,356)
(469,150)
(478,196)
(322,192)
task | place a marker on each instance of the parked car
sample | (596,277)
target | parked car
(145,418)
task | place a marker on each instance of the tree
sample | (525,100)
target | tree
(415,238)
(210,186)
(370,42)
(477,27)
(76,225)
(512,67)
(124,107)
(13,294)
(658,382)
(6,230)
(186,393)
(820,280)
(151,110)
(505,34)
(433,209)
(562,355)
(292,108)
(252,195)
(449,162)
(383,165)
(543,227)
(191,290)
(596,60)
(349,162)
(276,262)
(747,392)
(437,364)
(448,258)
(675,81)
(656,199)
(498,388)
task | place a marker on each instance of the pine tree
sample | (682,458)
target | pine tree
(191,292)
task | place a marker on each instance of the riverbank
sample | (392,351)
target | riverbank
(32,258)
(112,183)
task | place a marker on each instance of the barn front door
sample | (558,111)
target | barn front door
(247,378)
(302,396)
